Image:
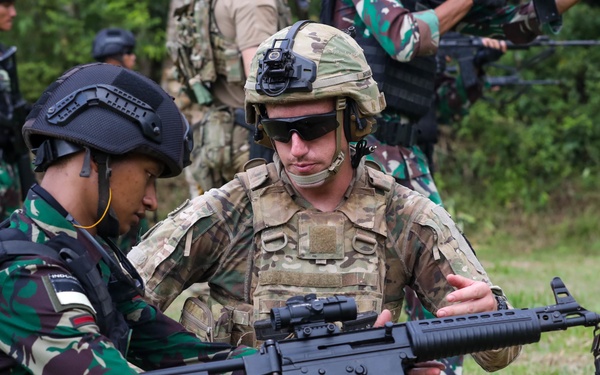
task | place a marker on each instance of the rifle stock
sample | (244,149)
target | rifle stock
(396,347)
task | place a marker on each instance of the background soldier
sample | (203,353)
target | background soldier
(317,220)
(115,46)
(15,165)
(75,300)
(215,42)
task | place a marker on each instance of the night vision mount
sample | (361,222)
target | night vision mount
(281,70)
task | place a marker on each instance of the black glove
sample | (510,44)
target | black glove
(486,55)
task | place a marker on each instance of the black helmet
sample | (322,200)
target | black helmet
(112,42)
(111,110)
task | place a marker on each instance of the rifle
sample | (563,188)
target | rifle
(12,121)
(541,41)
(321,348)
(472,56)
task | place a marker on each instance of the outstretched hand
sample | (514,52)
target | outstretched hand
(470,297)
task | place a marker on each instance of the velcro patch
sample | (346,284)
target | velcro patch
(66,292)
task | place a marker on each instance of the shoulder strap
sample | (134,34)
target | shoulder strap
(13,242)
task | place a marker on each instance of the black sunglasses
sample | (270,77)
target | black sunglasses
(308,127)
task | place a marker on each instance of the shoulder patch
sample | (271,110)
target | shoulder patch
(66,292)
(82,320)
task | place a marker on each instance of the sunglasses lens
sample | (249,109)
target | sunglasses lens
(307,127)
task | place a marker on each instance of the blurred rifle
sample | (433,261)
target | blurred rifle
(320,347)
(12,118)
(472,56)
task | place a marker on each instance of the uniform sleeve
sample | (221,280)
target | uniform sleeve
(519,24)
(158,341)
(254,21)
(48,323)
(205,240)
(435,248)
(404,35)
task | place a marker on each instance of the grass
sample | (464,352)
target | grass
(522,253)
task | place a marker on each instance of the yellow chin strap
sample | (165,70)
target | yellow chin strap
(103,215)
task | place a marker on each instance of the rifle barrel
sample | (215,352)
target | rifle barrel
(472,42)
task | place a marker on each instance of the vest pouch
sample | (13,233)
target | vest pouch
(213,139)
(190,48)
(228,60)
(197,318)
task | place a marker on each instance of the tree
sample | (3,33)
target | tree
(54,35)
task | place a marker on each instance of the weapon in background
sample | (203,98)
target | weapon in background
(472,57)
(17,110)
(322,349)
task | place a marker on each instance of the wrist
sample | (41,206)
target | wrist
(501,300)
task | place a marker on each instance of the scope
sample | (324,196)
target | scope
(308,309)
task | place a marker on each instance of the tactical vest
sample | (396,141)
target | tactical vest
(408,86)
(308,251)
(301,251)
(111,323)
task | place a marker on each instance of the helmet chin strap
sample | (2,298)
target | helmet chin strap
(319,178)
(109,224)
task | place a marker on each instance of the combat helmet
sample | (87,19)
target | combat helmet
(312,61)
(107,110)
(112,42)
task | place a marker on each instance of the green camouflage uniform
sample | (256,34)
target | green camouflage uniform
(257,242)
(405,35)
(10,186)
(132,237)
(10,189)
(45,327)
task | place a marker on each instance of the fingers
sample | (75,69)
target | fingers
(494,43)
(384,317)
(470,297)
(427,368)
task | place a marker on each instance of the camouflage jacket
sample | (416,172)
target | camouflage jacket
(404,34)
(47,328)
(212,239)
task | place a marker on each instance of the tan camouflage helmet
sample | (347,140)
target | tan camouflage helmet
(341,72)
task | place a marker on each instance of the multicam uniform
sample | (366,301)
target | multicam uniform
(48,322)
(406,35)
(257,242)
(221,139)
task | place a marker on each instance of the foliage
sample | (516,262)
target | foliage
(520,153)
(54,35)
